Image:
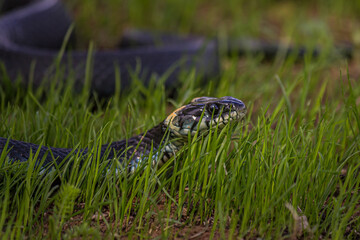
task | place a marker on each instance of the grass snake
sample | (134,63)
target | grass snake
(200,115)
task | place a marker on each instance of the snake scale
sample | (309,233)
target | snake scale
(200,115)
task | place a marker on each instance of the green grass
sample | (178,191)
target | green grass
(299,145)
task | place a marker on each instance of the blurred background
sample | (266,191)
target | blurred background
(301,22)
(321,23)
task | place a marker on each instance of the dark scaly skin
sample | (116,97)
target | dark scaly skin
(200,114)
(20,151)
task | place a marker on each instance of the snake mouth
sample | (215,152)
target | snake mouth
(203,114)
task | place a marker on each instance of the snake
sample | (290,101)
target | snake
(32,33)
(198,117)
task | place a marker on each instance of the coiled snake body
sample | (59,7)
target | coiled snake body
(201,114)
(31,37)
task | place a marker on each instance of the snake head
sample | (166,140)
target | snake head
(203,113)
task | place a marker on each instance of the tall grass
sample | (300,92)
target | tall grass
(295,148)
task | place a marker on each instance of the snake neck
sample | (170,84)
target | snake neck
(153,138)
(157,140)
(158,137)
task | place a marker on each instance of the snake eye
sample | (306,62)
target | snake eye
(213,108)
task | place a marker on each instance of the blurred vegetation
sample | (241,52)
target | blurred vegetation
(301,21)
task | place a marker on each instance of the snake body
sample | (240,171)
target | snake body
(31,38)
(200,115)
